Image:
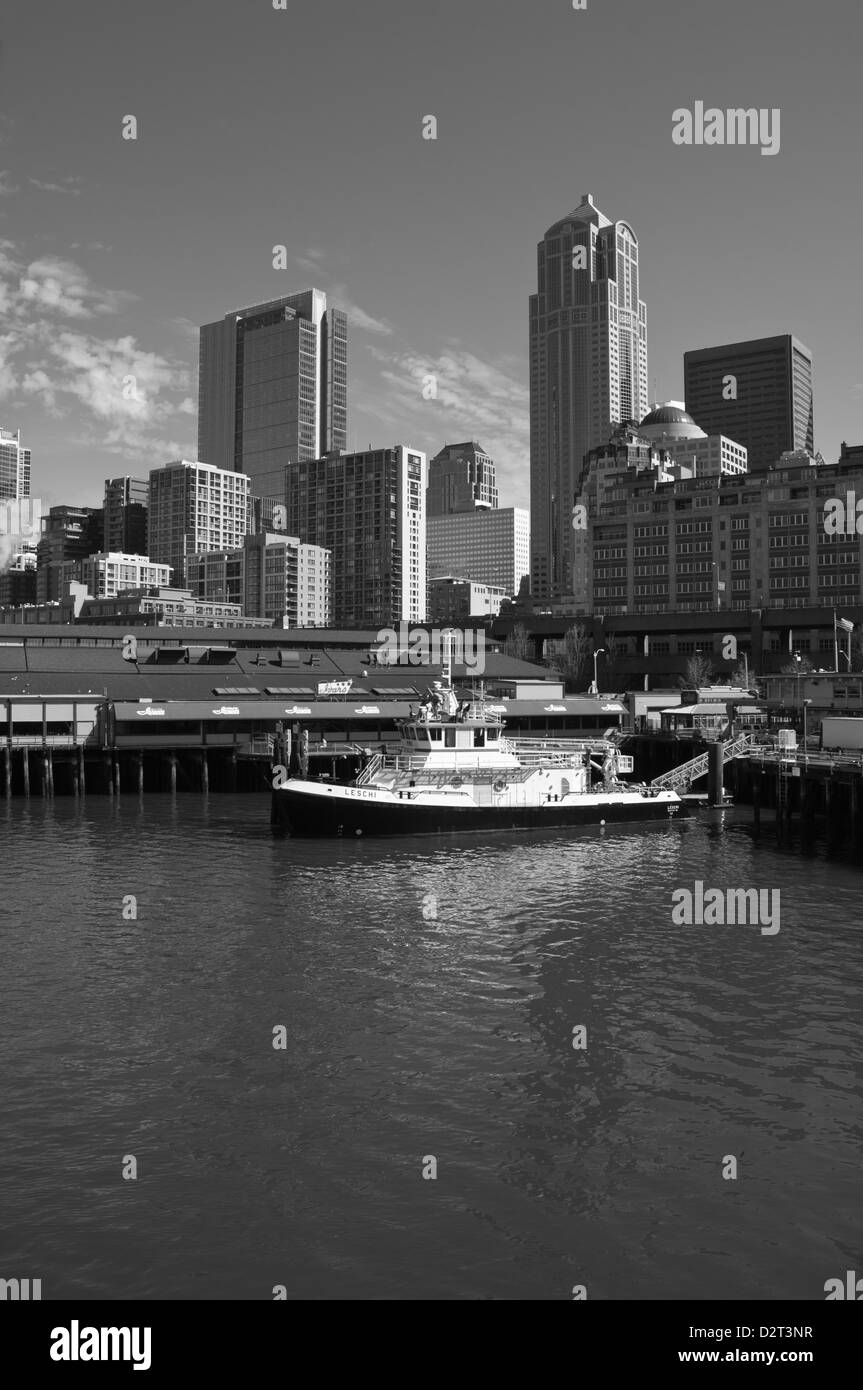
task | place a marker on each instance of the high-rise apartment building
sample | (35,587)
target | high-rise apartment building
(368,509)
(588,372)
(272,576)
(272,388)
(195,507)
(68,533)
(758,393)
(125,515)
(14,466)
(461,479)
(489,547)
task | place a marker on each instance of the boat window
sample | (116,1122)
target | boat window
(450,738)
(479,738)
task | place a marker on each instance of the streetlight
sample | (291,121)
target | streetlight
(594,689)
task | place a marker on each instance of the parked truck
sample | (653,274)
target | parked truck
(841,733)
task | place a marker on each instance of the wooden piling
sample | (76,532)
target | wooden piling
(172,766)
(82,773)
(140,772)
(25,767)
(116,769)
(7,771)
(205,773)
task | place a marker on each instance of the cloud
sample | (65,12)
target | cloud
(67,186)
(185,326)
(118,396)
(56,284)
(338,298)
(5,185)
(486,401)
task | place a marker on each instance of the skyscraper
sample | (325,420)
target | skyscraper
(461,479)
(272,388)
(758,393)
(368,509)
(14,467)
(588,372)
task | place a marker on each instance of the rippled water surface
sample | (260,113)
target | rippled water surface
(411,1036)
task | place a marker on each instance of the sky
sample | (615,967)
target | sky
(302,127)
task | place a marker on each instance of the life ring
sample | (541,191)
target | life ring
(498,785)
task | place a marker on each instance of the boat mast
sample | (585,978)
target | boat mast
(446,662)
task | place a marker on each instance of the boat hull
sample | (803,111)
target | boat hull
(306,813)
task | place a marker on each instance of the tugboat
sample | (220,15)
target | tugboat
(456,771)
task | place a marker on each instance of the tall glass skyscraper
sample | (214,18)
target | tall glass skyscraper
(272,388)
(588,372)
(14,466)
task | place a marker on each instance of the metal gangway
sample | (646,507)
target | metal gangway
(687,773)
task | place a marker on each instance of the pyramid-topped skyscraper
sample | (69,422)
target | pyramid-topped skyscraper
(588,372)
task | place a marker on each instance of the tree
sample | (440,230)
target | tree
(574,658)
(741,676)
(797,667)
(697,672)
(518,643)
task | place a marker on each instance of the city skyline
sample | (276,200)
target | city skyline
(116,251)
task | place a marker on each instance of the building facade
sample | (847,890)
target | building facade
(487,547)
(107,574)
(125,515)
(14,467)
(272,576)
(758,393)
(272,388)
(195,507)
(588,372)
(368,510)
(734,542)
(461,479)
(453,600)
(672,429)
(68,533)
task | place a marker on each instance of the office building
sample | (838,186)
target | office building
(487,547)
(729,542)
(195,507)
(368,510)
(14,467)
(758,393)
(272,576)
(272,388)
(125,515)
(588,372)
(461,479)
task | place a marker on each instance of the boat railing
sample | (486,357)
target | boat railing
(372,767)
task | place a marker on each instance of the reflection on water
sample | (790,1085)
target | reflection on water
(429,990)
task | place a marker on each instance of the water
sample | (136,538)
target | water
(412,1036)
